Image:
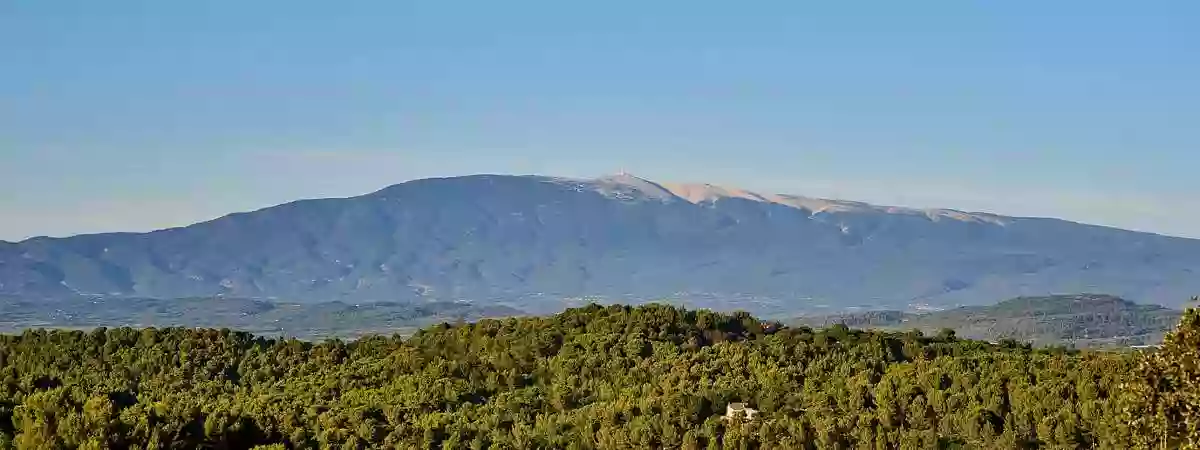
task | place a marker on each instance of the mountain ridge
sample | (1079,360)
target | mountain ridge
(538,239)
(678,189)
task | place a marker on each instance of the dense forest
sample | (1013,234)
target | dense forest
(596,377)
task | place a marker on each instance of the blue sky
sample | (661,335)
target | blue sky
(134,115)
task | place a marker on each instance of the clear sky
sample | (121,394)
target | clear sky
(134,115)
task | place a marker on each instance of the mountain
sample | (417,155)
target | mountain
(539,243)
(1083,320)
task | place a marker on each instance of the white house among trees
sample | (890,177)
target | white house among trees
(739,409)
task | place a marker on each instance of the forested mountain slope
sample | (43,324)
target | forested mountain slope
(532,241)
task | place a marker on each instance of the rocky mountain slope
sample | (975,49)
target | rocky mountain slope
(532,242)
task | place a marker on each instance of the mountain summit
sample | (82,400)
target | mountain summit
(534,241)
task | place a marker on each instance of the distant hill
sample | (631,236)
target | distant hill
(1083,320)
(306,321)
(531,242)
